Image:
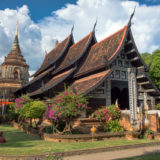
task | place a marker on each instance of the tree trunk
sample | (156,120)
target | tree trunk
(30,122)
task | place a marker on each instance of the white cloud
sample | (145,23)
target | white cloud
(35,38)
(29,34)
(112,15)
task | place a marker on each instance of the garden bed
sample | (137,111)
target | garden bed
(76,137)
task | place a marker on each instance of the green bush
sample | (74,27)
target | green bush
(12,115)
(149,132)
(49,129)
(157,106)
(113,126)
(36,109)
(24,111)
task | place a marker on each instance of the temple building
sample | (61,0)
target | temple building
(13,71)
(109,70)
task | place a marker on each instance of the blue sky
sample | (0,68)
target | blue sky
(42,8)
(42,22)
(38,8)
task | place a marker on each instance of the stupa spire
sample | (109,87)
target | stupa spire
(15,46)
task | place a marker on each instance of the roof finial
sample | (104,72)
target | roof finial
(57,42)
(130,19)
(72,29)
(17,28)
(95,25)
(45,52)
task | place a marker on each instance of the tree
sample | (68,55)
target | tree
(65,107)
(154,72)
(33,110)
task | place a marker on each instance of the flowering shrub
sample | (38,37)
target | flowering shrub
(107,113)
(110,115)
(19,102)
(65,107)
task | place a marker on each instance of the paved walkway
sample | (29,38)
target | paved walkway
(111,155)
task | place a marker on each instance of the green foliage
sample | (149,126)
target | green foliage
(20,102)
(157,106)
(146,57)
(113,126)
(11,112)
(24,111)
(48,129)
(36,109)
(52,156)
(64,108)
(67,105)
(107,113)
(32,109)
(149,132)
(154,73)
(114,111)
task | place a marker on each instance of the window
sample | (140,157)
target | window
(15,75)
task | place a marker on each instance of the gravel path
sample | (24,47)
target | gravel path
(111,155)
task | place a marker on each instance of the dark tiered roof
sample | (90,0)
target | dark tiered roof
(55,80)
(54,55)
(103,52)
(75,52)
(86,64)
(89,83)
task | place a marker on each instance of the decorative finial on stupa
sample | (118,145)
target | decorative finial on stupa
(17,28)
(15,45)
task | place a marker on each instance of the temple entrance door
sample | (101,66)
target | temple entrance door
(124,99)
(120,91)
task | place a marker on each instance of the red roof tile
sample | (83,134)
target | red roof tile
(53,82)
(53,55)
(75,52)
(102,52)
(87,84)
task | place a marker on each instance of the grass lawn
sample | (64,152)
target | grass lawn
(153,156)
(19,143)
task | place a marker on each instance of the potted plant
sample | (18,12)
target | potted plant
(149,134)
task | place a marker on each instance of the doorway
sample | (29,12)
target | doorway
(119,91)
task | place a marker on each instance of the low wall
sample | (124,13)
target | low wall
(83,137)
(125,120)
(30,131)
(77,137)
(152,115)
